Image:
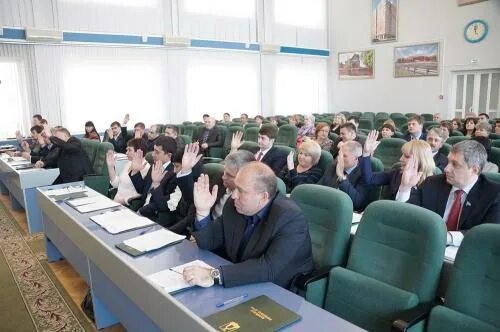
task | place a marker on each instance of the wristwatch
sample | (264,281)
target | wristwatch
(215,274)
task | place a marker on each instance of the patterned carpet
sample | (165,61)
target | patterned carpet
(46,302)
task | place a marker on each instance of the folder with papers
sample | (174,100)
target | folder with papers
(120,221)
(149,242)
(91,204)
(172,280)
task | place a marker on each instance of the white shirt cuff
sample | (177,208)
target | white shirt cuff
(182,173)
(403,196)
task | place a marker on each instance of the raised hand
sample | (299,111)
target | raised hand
(137,162)
(109,132)
(289,161)
(39,164)
(411,176)
(46,131)
(203,198)
(371,143)
(340,164)
(190,157)
(25,146)
(236,141)
(110,159)
(126,119)
(157,174)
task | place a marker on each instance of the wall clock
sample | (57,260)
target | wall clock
(475,31)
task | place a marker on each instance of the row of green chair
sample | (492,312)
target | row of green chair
(96,151)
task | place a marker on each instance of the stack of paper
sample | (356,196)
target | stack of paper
(66,193)
(120,221)
(172,280)
(154,240)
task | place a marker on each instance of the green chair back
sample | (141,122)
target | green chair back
(281,186)
(287,135)
(430,124)
(472,301)
(229,136)
(456,139)
(149,157)
(394,264)
(445,149)
(389,151)
(214,172)
(400,122)
(99,165)
(456,133)
(326,160)
(374,192)
(251,134)
(493,135)
(366,123)
(90,148)
(249,146)
(494,156)
(494,177)
(190,130)
(495,143)
(186,139)
(218,151)
(427,117)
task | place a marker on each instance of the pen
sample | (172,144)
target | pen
(147,230)
(234,299)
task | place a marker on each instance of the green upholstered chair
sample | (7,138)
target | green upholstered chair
(375,191)
(228,138)
(445,149)
(214,172)
(362,138)
(382,115)
(396,115)
(495,177)
(379,122)
(325,160)
(389,151)
(456,139)
(251,134)
(495,143)
(186,139)
(249,146)
(328,213)
(218,151)
(287,135)
(394,265)
(430,124)
(99,181)
(149,157)
(472,301)
(494,156)
(90,148)
(281,186)
(493,135)
(190,130)
(409,115)
(333,136)
(427,117)
(285,148)
(366,123)
(400,122)
(456,133)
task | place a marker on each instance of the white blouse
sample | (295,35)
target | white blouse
(126,189)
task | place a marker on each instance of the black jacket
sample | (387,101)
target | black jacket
(72,160)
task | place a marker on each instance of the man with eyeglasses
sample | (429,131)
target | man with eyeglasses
(261,231)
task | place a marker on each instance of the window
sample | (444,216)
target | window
(104,91)
(303,13)
(12,101)
(228,8)
(217,88)
(117,3)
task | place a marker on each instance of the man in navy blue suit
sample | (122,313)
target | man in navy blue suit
(415,129)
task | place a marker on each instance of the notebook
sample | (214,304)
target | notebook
(258,314)
(145,243)
(119,221)
(172,280)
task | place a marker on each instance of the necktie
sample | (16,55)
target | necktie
(452,222)
(249,228)
(259,156)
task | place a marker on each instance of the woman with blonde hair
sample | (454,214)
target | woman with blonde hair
(414,153)
(322,132)
(306,170)
(337,122)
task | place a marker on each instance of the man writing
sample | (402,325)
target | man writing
(263,233)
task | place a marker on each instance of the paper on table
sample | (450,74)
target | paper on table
(96,206)
(356,217)
(86,200)
(120,221)
(450,253)
(154,240)
(65,190)
(171,279)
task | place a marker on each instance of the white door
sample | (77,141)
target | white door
(477,91)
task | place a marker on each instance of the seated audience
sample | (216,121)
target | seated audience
(160,181)
(437,117)
(415,129)
(307,130)
(447,128)
(152,135)
(462,196)
(345,174)
(338,120)
(205,117)
(306,170)
(483,118)
(457,124)
(117,135)
(347,133)
(258,120)
(173,131)
(488,166)
(469,127)
(413,150)
(90,132)
(435,138)
(49,153)
(322,131)
(227,118)
(244,119)
(274,121)
(387,131)
(263,233)
(209,136)
(122,182)
(294,120)
(483,129)
(72,161)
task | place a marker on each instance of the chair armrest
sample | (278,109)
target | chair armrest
(410,317)
(303,280)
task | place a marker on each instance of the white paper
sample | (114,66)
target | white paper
(356,217)
(65,191)
(120,156)
(172,279)
(450,253)
(120,221)
(154,240)
(354,228)
(86,200)
(96,206)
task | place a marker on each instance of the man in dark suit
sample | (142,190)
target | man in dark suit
(49,153)
(72,161)
(435,138)
(345,174)
(462,196)
(348,133)
(262,232)
(117,135)
(173,131)
(415,129)
(209,136)
(153,134)
(160,181)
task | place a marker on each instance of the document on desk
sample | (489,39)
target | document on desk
(149,242)
(95,203)
(19,162)
(120,221)
(172,280)
(67,193)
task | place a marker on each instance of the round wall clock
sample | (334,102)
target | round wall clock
(475,31)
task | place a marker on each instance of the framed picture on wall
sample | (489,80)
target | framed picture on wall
(416,60)
(384,21)
(356,64)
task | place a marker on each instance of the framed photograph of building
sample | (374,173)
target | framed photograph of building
(416,60)
(384,21)
(356,64)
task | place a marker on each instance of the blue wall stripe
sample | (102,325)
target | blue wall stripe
(85,37)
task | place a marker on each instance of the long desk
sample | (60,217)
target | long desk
(21,186)
(122,293)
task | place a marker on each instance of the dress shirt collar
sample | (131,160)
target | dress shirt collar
(466,189)
(349,170)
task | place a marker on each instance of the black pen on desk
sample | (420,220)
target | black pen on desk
(234,299)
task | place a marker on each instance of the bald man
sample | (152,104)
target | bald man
(262,232)
(209,136)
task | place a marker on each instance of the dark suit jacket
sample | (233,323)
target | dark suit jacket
(334,150)
(441,160)
(49,156)
(482,204)
(159,196)
(391,178)
(72,161)
(353,186)
(278,250)
(214,138)
(120,143)
(274,158)
(422,137)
